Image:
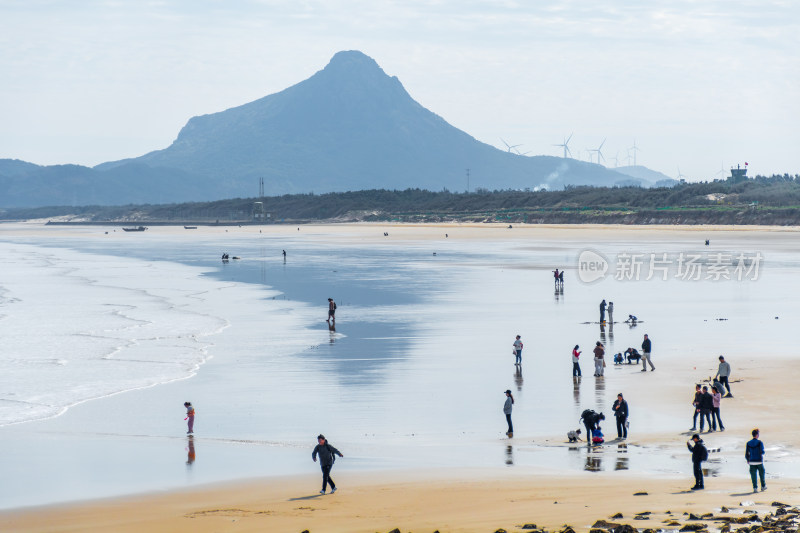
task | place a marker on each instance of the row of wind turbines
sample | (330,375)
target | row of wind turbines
(514,148)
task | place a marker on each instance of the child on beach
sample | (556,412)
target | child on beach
(573,436)
(189,416)
(327,456)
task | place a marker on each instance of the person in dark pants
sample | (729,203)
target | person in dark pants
(602,311)
(327,456)
(706,406)
(646,347)
(576,367)
(507,412)
(754,454)
(698,394)
(724,373)
(591,420)
(620,409)
(699,454)
(331,310)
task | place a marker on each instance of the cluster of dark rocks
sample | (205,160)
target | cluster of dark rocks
(785,519)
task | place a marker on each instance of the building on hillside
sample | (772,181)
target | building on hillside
(738,174)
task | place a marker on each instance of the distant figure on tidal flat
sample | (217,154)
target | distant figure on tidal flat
(699,454)
(507,411)
(576,367)
(602,311)
(331,310)
(518,351)
(723,373)
(284,255)
(189,417)
(610,312)
(646,347)
(754,455)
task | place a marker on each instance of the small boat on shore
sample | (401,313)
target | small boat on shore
(190,227)
(138,228)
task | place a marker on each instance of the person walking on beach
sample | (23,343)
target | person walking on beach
(507,411)
(555,277)
(610,312)
(602,311)
(698,395)
(331,310)
(754,454)
(620,409)
(699,454)
(706,406)
(646,347)
(599,361)
(723,373)
(518,351)
(189,417)
(576,367)
(327,456)
(716,398)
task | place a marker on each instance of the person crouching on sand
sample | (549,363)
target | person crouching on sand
(327,456)
(507,412)
(189,417)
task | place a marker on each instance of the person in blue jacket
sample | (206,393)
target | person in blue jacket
(754,454)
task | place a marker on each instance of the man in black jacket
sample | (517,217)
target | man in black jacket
(327,456)
(699,454)
(706,406)
(646,347)
(620,409)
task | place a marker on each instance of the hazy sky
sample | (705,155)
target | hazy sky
(697,84)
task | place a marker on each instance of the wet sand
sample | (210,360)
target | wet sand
(474,478)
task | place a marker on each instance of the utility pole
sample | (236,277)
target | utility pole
(261,187)
(467,180)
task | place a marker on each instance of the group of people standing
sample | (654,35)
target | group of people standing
(599,358)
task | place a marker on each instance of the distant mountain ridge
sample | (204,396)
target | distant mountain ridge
(350,126)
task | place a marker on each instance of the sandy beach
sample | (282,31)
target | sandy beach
(465,475)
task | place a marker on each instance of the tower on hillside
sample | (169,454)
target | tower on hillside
(738,174)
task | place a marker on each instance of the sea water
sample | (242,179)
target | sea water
(412,374)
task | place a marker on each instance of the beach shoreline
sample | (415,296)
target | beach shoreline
(451,501)
(473,497)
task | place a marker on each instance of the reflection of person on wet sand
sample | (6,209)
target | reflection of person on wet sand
(191,456)
(332,331)
(518,377)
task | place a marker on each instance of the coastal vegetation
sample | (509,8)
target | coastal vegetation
(773,200)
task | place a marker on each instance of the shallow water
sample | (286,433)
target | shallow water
(412,376)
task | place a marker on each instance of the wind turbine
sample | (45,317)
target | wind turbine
(616,159)
(680,176)
(521,153)
(599,153)
(565,145)
(721,170)
(509,146)
(635,149)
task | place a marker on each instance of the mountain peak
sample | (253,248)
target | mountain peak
(350,59)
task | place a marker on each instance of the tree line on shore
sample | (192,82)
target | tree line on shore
(760,200)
